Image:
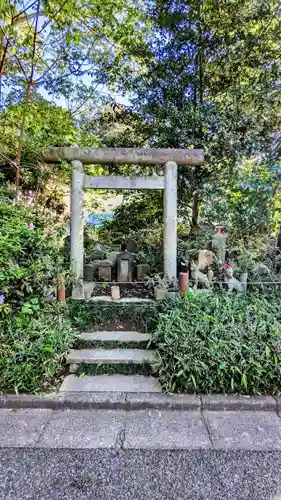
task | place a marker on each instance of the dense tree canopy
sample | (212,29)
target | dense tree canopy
(210,80)
(198,73)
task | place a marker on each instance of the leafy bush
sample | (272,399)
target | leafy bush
(221,344)
(142,316)
(30,259)
(33,345)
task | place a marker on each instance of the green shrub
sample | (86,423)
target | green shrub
(30,259)
(33,346)
(221,344)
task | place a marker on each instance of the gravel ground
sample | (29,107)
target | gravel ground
(48,474)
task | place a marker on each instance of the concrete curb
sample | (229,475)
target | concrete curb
(141,401)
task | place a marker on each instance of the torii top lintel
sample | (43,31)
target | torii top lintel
(140,156)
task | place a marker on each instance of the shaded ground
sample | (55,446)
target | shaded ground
(134,475)
(121,326)
(141,290)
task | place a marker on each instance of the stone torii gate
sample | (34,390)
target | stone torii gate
(170,158)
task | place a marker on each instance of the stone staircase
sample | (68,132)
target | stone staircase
(111,361)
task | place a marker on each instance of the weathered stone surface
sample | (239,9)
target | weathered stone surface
(112,256)
(77,230)
(106,298)
(205,259)
(170,220)
(141,156)
(105,267)
(104,273)
(105,263)
(97,254)
(222,402)
(95,264)
(125,266)
(21,427)
(219,246)
(123,182)
(250,430)
(115,336)
(278,400)
(73,367)
(111,383)
(100,298)
(88,272)
(131,245)
(110,356)
(88,288)
(143,270)
(134,299)
(85,400)
(84,429)
(160,294)
(115,292)
(163,401)
(153,429)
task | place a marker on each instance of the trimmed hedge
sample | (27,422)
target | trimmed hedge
(221,344)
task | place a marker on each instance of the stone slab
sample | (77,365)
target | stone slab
(278,402)
(111,383)
(101,298)
(154,429)
(110,356)
(163,401)
(244,430)
(22,427)
(84,429)
(92,400)
(88,288)
(14,401)
(134,300)
(124,300)
(115,292)
(221,402)
(134,156)
(115,336)
(142,271)
(131,245)
(123,182)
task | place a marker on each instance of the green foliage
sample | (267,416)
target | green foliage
(142,317)
(33,347)
(30,259)
(249,203)
(221,344)
(45,125)
(210,80)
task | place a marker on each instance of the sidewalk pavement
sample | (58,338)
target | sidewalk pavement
(121,447)
(153,429)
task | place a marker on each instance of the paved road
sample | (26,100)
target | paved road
(66,474)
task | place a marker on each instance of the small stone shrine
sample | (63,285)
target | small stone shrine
(105,267)
(125,266)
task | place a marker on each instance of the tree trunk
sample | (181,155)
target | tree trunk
(195,211)
(27,101)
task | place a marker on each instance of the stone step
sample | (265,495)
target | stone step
(123,300)
(110,383)
(110,356)
(114,336)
